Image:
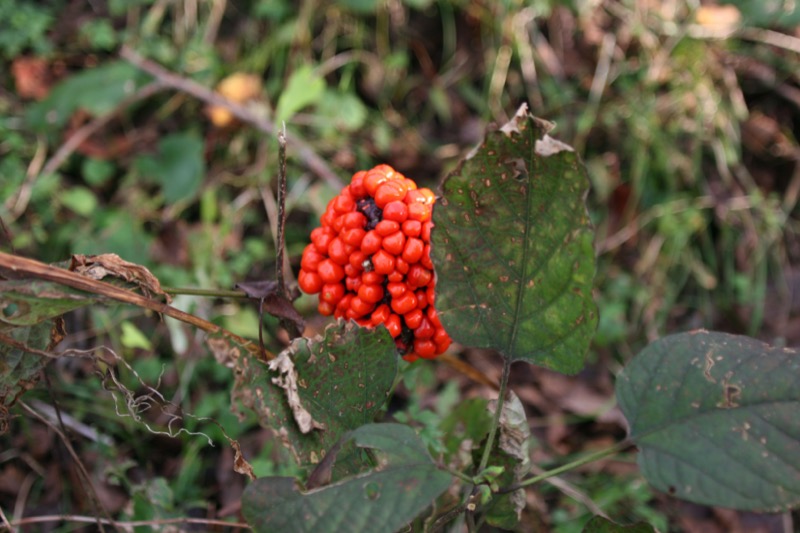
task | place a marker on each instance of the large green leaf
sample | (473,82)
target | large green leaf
(717,419)
(317,390)
(381,500)
(512,247)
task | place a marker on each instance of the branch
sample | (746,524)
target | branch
(170,79)
(24,267)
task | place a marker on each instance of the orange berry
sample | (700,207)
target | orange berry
(419,211)
(394,243)
(389,191)
(395,210)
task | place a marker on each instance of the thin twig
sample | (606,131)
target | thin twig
(281,261)
(4,521)
(90,490)
(243,113)
(127,524)
(281,242)
(589,458)
(501,397)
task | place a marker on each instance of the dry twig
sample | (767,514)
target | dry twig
(170,79)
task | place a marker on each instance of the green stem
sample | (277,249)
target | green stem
(570,466)
(487,452)
(209,293)
(460,475)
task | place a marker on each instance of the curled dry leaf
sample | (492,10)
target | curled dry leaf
(267,292)
(98,267)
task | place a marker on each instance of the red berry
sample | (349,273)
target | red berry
(425,348)
(309,282)
(412,228)
(329,271)
(371,243)
(383,262)
(412,252)
(394,243)
(370,260)
(396,210)
(386,227)
(332,293)
(390,191)
(404,303)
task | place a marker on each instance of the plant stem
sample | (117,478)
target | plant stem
(281,244)
(498,411)
(209,293)
(590,458)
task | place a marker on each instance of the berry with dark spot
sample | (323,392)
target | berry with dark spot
(370,260)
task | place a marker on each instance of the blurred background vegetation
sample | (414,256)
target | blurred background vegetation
(686,114)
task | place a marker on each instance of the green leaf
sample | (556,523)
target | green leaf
(97,90)
(598,524)
(80,200)
(20,367)
(341,381)
(178,166)
(381,500)
(304,88)
(512,247)
(25,303)
(717,419)
(132,337)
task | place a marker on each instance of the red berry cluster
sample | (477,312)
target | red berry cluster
(370,260)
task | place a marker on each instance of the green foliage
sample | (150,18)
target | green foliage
(318,389)
(382,500)
(23,26)
(513,249)
(178,166)
(97,91)
(716,418)
(691,231)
